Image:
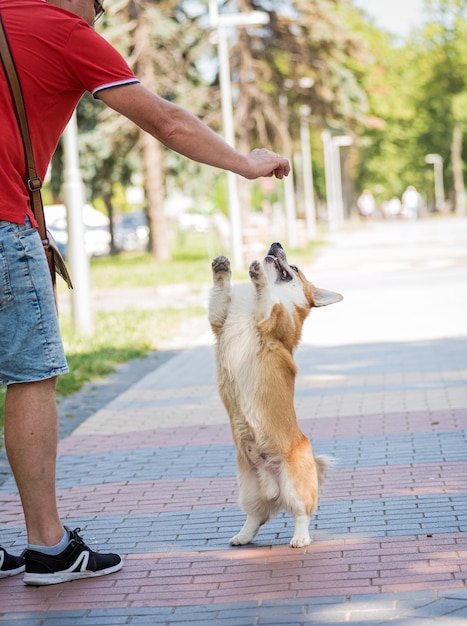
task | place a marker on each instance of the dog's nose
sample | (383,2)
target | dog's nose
(276,244)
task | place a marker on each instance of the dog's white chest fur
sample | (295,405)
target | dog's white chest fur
(241,342)
(239,337)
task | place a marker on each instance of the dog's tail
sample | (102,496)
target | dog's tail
(324,462)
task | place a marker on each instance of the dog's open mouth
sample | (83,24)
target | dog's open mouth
(277,256)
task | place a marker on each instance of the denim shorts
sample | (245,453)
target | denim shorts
(30,343)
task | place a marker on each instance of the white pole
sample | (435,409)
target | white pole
(338,142)
(437,162)
(227,119)
(310,208)
(330,179)
(289,187)
(337,171)
(290,210)
(73,192)
(439,184)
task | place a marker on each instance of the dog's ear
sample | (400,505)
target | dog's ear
(323,297)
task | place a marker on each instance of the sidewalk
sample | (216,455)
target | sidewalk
(381,386)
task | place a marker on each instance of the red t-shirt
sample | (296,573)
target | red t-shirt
(58,57)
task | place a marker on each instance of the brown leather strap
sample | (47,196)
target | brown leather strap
(34,183)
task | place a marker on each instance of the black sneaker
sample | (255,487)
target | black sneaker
(76,561)
(10,565)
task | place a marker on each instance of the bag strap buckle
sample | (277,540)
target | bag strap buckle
(35,184)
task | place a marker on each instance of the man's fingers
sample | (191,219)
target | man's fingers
(280,172)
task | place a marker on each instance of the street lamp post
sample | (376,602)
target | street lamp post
(73,193)
(221,23)
(437,162)
(333,174)
(340,141)
(329,179)
(310,208)
(289,188)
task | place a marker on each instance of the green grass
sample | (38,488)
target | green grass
(117,337)
(190,263)
(143,271)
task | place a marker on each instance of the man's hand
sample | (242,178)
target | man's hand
(262,162)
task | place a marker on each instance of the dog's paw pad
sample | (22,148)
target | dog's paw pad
(221,264)
(255,269)
(300,542)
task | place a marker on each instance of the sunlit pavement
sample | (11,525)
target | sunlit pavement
(382,387)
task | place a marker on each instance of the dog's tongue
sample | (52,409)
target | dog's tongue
(275,260)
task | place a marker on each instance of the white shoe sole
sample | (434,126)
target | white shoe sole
(12,572)
(62,577)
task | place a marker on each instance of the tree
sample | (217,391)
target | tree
(303,40)
(416,96)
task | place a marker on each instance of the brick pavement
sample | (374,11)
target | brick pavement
(382,386)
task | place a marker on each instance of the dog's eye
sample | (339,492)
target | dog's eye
(294,268)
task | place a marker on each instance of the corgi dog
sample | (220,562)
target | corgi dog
(257,325)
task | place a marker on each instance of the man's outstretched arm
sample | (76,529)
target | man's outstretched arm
(184,133)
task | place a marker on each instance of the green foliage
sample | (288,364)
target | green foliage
(414,90)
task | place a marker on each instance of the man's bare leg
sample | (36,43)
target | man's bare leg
(31,436)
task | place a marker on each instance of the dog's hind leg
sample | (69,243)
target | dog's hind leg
(248,532)
(301,536)
(299,490)
(220,293)
(257,509)
(313,478)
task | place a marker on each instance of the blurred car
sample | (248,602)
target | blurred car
(196,222)
(131,232)
(96,229)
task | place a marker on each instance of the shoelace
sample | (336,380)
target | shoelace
(74,537)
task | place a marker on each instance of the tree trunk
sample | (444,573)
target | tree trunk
(456,157)
(110,213)
(244,188)
(155,196)
(153,162)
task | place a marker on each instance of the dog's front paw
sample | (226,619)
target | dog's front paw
(221,264)
(221,271)
(255,270)
(300,541)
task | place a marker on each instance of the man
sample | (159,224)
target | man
(59,56)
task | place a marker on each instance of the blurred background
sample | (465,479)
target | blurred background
(367,99)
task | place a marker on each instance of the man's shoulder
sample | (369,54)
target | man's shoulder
(49,30)
(38,19)
(38,8)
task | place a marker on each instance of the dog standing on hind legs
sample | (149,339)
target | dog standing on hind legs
(257,326)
